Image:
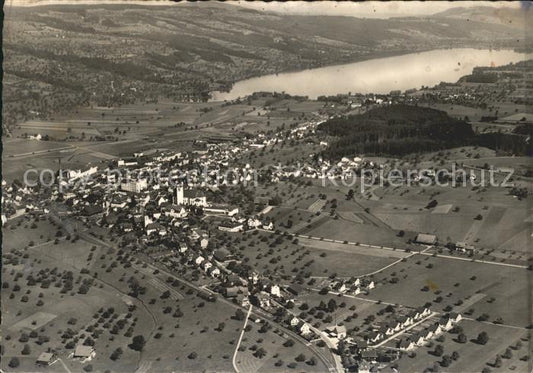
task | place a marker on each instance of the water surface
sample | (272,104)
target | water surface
(380,75)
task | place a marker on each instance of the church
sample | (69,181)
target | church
(190,197)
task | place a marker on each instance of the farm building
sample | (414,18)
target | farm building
(45,359)
(426,239)
(83,352)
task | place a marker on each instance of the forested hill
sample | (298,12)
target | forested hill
(395,130)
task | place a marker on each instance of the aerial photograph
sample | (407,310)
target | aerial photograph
(267,187)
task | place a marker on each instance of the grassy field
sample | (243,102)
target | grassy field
(109,290)
(473,357)
(498,291)
(266,253)
(277,357)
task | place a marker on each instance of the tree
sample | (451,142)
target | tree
(193,355)
(116,354)
(446,361)
(137,343)
(498,362)
(461,338)
(288,343)
(455,355)
(300,357)
(239,315)
(26,350)
(439,350)
(482,338)
(260,353)
(14,362)
(507,354)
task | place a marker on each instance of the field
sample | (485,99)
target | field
(108,289)
(498,291)
(269,254)
(278,356)
(473,357)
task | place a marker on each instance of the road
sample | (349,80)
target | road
(240,340)
(148,270)
(423,252)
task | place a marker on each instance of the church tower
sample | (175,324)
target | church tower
(179,195)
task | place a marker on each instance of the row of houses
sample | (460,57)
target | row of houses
(418,339)
(398,325)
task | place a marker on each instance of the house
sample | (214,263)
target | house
(374,337)
(337,331)
(206,265)
(253,223)
(45,359)
(387,330)
(371,285)
(445,323)
(396,326)
(203,243)
(423,312)
(92,210)
(199,260)
(426,334)
(340,287)
(263,299)
(406,345)
(370,355)
(295,289)
(221,210)
(153,228)
(275,290)
(233,279)
(304,328)
(243,300)
(83,352)
(234,291)
(426,239)
(406,321)
(177,212)
(435,329)
(418,339)
(294,321)
(182,247)
(213,272)
(455,317)
(268,226)
(231,227)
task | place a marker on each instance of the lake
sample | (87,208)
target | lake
(380,75)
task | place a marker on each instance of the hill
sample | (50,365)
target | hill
(59,57)
(513,17)
(395,130)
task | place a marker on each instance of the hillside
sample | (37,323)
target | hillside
(395,130)
(58,57)
(512,17)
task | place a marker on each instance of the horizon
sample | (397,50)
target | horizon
(371,9)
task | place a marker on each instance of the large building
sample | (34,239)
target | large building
(134,186)
(190,197)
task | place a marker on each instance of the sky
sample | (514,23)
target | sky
(370,9)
